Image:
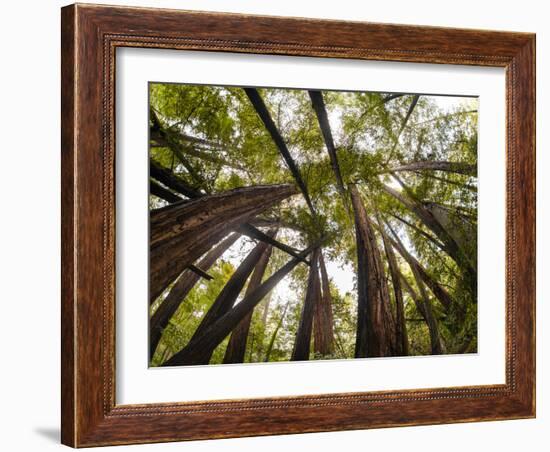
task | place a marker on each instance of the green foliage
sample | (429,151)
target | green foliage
(371,139)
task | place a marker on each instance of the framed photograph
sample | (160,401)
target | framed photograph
(281,225)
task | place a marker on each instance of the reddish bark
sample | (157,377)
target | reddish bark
(402,342)
(237,342)
(375,325)
(228,295)
(303,335)
(179,291)
(182,232)
(195,351)
(323,338)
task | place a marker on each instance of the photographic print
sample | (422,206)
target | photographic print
(296,224)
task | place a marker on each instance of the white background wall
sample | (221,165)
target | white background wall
(29,247)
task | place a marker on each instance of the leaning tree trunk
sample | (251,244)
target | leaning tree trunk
(400,326)
(194,351)
(433,326)
(375,336)
(161,192)
(424,306)
(228,295)
(322,117)
(176,183)
(179,291)
(263,112)
(237,342)
(182,232)
(452,248)
(441,294)
(323,337)
(303,335)
(450,167)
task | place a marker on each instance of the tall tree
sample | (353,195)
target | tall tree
(402,342)
(265,116)
(438,290)
(183,232)
(323,319)
(193,353)
(179,291)
(425,215)
(374,322)
(322,116)
(228,296)
(427,309)
(430,165)
(236,346)
(196,350)
(424,306)
(302,344)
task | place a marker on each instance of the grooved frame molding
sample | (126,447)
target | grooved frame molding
(90,36)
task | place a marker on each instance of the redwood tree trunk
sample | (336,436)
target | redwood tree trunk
(375,326)
(237,342)
(262,111)
(323,337)
(228,295)
(450,167)
(182,232)
(303,335)
(423,302)
(179,291)
(459,255)
(423,305)
(194,352)
(321,112)
(441,294)
(400,326)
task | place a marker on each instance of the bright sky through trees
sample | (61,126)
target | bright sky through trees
(411,161)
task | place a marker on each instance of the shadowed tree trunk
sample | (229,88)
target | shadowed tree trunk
(172,181)
(433,326)
(375,329)
(182,232)
(449,167)
(196,350)
(237,342)
(180,290)
(432,239)
(302,344)
(321,112)
(418,302)
(424,306)
(441,294)
(169,140)
(400,326)
(459,255)
(163,193)
(176,183)
(262,111)
(427,310)
(228,295)
(460,228)
(323,337)
(251,231)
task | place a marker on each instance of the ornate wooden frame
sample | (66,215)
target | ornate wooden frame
(90,35)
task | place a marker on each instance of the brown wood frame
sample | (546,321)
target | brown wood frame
(90,35)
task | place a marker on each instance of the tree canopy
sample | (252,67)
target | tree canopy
(366,200)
